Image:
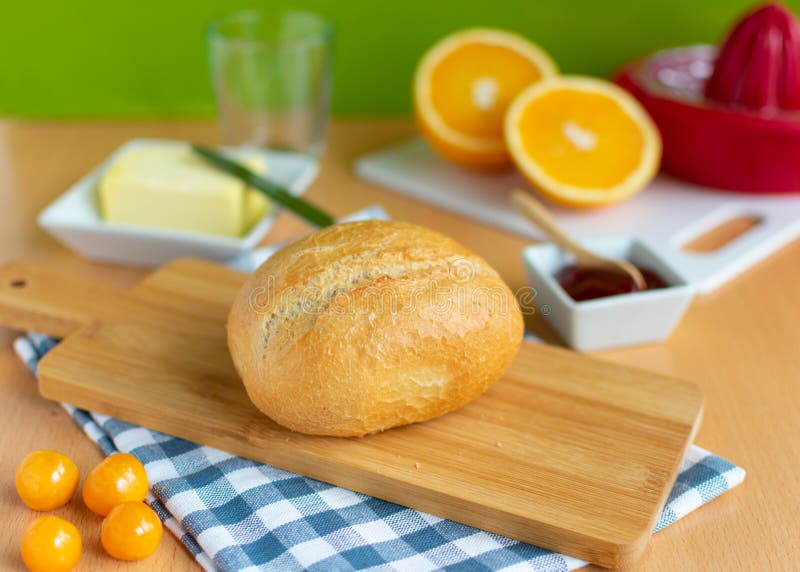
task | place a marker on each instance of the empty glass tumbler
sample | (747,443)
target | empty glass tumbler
(272,79)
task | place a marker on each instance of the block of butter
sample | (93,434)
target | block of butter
(168,186)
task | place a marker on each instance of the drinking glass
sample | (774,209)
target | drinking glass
(272,77)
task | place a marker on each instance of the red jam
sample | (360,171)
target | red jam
(590,282)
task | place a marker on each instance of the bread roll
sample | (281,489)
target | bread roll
(364,326)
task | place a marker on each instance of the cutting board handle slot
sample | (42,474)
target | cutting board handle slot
(721,233)
(718,228)
(36,298)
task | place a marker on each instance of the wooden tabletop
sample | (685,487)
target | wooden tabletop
(740,344)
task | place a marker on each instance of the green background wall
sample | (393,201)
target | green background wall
(147,58)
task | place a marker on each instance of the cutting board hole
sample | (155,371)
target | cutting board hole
(721,234)
(18,283)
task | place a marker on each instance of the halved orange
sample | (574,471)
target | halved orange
(463,86)
(582,141)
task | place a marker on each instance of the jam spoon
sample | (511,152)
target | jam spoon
(536,213)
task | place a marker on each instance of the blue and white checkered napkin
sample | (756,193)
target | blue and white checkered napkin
(236,514)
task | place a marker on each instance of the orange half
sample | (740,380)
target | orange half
(463,87)
(582,142)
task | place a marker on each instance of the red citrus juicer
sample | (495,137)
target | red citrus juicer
(729,117)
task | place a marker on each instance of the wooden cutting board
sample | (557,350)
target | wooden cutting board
(566,452)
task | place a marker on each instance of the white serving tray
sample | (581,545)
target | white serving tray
(665,216)
(74,218)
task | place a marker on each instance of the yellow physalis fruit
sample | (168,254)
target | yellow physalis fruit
(51,544)
(131,531)
(46,480)
(116,479)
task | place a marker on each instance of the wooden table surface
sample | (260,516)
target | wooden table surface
(741,344)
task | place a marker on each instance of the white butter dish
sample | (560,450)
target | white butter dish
(612,321)
(74,218)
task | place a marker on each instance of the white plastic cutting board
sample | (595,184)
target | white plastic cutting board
(666,215)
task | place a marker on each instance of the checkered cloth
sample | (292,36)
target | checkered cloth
(236,514)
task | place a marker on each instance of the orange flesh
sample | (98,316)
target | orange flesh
(617,141)
(453,82)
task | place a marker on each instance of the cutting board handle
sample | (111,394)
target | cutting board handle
(34,297)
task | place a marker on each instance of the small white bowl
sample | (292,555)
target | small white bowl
(74,218)
(612,321)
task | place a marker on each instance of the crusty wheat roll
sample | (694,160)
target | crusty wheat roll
(364,326)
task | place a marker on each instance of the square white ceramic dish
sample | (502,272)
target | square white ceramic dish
(74,218)
(626,319)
